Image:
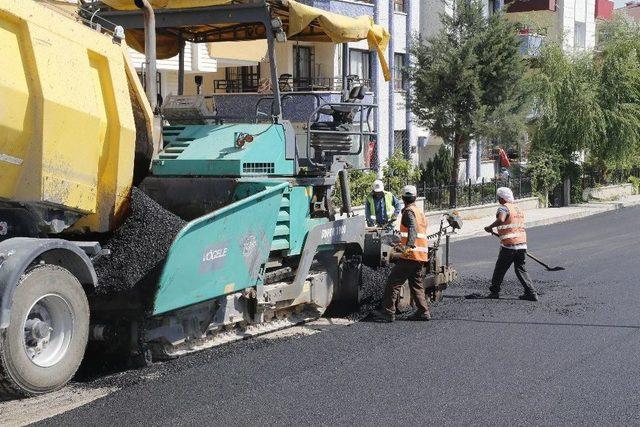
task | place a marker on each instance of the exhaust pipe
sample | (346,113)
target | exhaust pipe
(345,191)
(149,52)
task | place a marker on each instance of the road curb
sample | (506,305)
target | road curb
(588,210)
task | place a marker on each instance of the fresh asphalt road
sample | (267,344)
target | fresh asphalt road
(572,358)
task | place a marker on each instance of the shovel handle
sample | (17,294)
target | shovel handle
(529,255)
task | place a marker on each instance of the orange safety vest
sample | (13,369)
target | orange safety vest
(421,251)
(512,231)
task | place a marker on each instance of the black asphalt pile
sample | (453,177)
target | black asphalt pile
(138,248)
(373,281)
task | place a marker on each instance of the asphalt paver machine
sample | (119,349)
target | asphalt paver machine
(262,247)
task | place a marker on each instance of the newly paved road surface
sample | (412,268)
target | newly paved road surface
(572,358)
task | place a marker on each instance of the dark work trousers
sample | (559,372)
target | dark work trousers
(505,259)
(404,270)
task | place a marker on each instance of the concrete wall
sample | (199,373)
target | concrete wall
(572,12)
(610,192)
(430,16)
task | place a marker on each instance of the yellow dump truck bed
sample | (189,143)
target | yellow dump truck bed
(67,131)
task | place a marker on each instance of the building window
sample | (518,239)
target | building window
(401,142)
(399,73)
(242,79)
(399,5)
(580,35)
(360,64)
(303,60)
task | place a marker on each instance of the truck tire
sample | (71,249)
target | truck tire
(48,329)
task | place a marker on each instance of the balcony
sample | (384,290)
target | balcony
(287,83)
(530,43)
(297,106)
(515,6)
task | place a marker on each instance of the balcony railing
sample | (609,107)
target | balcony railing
(236,85)
(530,44)
(287,83)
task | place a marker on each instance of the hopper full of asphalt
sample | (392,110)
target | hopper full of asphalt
(138,248)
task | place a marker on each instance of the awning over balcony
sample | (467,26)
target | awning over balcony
(249,51)
(165,4)
(339,28)
(301,22)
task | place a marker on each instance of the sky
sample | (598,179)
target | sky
(619,3)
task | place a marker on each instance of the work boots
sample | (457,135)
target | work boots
(529,297)
(420,316)
(382,316)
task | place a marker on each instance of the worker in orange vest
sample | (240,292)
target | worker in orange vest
(414,249)
(513,241)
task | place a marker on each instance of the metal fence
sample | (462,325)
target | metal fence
(591,179)
(286,83)
(484,192)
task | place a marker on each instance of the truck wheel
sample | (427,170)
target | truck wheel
(44,344)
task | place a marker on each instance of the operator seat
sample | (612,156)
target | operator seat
(341,114)
(341,141)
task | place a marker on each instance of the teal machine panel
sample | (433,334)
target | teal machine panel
(211,150)
(223,251)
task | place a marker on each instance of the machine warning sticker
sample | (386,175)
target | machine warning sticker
(214,257)
(251,252)
(249,245)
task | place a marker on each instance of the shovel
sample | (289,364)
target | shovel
(530,255)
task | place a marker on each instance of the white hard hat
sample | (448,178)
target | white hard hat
(506,194)
(378,186)
(409,191)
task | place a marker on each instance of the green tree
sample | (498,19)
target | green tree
(568,117)
(437,170)
(545,167)
(468,80)
(399,172)
(590,103)
(618,89)
(360,184)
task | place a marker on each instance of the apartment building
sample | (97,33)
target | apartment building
(631,9)
(236,76)
(570,22)
(311,72)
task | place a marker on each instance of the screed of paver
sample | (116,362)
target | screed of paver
(26,411)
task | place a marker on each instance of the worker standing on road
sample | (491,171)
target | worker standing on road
(513,241)
(382,207)
(414,249)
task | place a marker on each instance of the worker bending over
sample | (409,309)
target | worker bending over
(513,241)
(382,206)
(414,249)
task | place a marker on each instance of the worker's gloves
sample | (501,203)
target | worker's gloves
(404,250)
(488,230)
